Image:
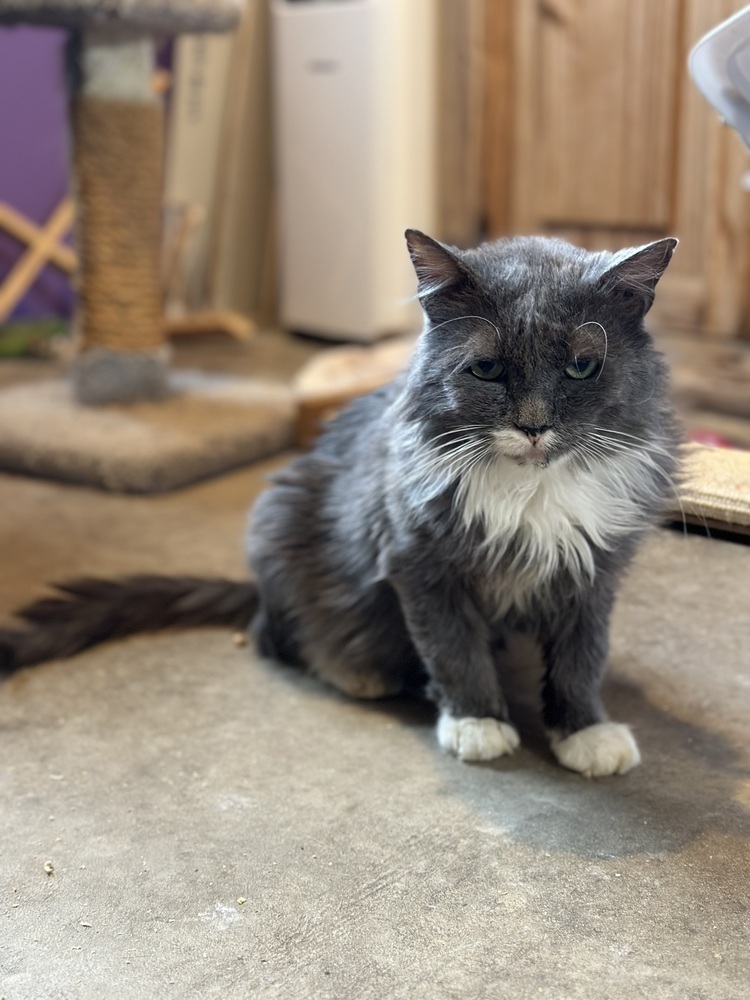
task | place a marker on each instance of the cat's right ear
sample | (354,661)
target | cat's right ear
(439,270)
(634,274)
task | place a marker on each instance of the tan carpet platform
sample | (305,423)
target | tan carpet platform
(208,424)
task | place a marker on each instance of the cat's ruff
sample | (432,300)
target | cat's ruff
(553,514)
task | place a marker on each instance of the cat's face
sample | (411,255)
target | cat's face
(535,347)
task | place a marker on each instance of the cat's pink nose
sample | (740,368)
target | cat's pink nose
(533,433)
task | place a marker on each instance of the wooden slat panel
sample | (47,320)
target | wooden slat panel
(697,151)
(605,111)
(240,227)
(728,277)
(498,110)
(460,60)
(612,144)
(524,217)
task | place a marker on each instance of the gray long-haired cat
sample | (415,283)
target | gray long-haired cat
(501,483)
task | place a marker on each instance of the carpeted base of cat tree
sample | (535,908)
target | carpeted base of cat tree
(208,424)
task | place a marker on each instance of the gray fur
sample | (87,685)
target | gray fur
(370,571)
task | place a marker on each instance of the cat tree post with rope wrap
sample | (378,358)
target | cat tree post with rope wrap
(117,132)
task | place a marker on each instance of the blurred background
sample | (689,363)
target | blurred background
(300,145)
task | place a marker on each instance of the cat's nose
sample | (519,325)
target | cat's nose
(533,433)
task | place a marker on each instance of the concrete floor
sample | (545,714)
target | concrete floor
(219,827)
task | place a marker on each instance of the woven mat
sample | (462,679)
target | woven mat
(207,425)
(715,486)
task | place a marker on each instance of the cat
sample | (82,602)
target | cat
(501,483)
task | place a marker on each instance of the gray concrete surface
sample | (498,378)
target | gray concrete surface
(222,828)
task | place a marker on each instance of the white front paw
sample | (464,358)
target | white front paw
(476,739)
(602,749)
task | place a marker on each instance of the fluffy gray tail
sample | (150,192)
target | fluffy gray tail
(87,612)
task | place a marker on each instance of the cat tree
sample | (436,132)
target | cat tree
(161,429)
(117,129)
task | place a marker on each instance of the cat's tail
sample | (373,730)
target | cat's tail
(89,611)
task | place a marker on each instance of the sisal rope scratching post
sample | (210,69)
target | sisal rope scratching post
(117,129)
(120,288)
(118,133)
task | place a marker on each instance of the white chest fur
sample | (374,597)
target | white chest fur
(549,517)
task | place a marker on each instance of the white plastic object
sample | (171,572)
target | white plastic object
(354,118)
(720,66)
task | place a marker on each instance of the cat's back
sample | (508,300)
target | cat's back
(318,530)
(358,426)
(338,478)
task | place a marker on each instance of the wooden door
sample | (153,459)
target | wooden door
(602,138)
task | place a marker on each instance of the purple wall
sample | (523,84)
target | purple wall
(34,172)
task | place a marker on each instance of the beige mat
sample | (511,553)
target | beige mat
(715,487)
(209,424)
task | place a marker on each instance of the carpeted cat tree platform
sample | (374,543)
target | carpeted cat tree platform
(123,421)
(208,425)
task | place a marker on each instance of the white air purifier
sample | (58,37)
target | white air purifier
(354,117)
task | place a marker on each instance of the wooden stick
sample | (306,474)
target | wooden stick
(210,321)
(38,254)
(28,232)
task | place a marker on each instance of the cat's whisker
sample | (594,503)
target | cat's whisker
(448,448)
(445,448)
(593,322)
(605,448)
(619,433)
(625,447)
(474,433)
(456,468)
(640,402)
(482,448)
(453,463)
(455,319)
(601,453)
(640,441)
(643,447)
(439,452)
(458,430)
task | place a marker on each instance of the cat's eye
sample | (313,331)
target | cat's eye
(582,368)
(487,369)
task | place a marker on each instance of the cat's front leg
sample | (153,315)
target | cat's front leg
(575,645)
(453,642)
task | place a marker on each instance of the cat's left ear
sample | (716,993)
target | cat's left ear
(633,277)
(440,272)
